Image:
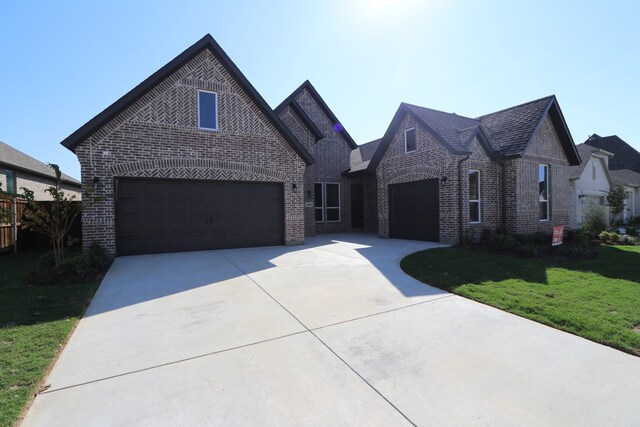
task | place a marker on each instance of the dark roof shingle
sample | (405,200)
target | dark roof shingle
(626,157)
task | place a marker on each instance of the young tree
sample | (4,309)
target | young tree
(53,219)
(615,200)
(5,210)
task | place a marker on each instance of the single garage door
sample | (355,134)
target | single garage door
(155,215)
(414,210)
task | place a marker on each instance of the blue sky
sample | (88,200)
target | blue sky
(64,62)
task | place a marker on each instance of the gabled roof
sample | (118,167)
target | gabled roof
(207,42)
(626,177)
(586,151)
(323,106)
(304,118)
(626,157)
(12,158)
(503,134)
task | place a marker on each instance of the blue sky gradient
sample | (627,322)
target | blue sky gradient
(64,62)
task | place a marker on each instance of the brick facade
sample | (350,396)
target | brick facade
(508,188)
(158,137)
(331,154)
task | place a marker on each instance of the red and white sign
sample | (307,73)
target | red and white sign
(557,235)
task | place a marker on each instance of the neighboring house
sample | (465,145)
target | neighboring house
(193,158)
(327,192)
(625,156)
(630,181)
(440,175)
(590,182)
(18,170)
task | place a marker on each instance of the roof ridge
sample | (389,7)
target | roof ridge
(438,111)
(515,106)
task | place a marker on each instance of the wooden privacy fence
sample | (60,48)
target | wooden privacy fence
(7,235)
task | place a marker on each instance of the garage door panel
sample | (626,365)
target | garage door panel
(414,210)
(154,216)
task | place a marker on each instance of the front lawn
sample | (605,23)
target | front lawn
(34,323)
(598,299)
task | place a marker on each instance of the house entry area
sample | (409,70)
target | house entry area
(159,215)
(414,210)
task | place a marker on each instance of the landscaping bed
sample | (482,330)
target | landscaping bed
(35,322)
(598,299)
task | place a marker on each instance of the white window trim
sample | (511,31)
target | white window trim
(405,140)
(339,207)
(478,200)
(216,95)
(548,194)
(315,208)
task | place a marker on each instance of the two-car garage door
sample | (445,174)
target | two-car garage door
(156,215)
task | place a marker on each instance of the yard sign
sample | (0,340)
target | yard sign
(557,235)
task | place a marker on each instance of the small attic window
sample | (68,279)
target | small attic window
(207,110)
(410,140)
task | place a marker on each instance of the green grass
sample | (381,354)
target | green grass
(596,299)
(34,323)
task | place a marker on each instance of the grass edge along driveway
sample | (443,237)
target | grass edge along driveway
(35,323)
(596,299)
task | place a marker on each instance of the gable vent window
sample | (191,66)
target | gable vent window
(474,196)
(207,110)
(410,140)
(593,170)
(543,190)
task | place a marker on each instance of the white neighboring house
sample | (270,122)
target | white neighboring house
(630,180)
(590,182)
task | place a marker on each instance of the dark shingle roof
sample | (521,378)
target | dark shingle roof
(626,157)
(625,177)
(450,126)
(13,158)
(510,130)
(361,156)
(505,133)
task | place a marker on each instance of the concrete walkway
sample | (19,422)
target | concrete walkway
(330,333)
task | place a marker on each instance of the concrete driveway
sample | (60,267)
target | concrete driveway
(330,333)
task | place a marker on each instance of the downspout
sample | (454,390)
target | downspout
(460,214)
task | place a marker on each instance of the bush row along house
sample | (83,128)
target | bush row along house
(196,159)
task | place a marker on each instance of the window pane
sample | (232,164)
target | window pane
(317,188)
(11,182)
(319,217)
(542,182)
(474,187)
(543,210)
(410,139)
(474,211)
(208,112)
(333,214)
(333,195)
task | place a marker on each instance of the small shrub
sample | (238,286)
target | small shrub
(609,237)
(595,218)
(467,238)
(529,250)
(84,267)
(627,240)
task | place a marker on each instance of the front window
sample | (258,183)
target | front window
(332,192)
(410,140)
(207,110)
(319,201)
(474,196)
(543,189)
(11,181)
